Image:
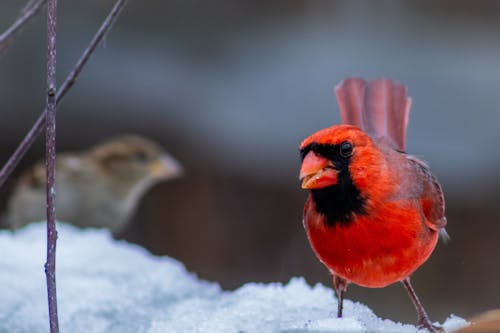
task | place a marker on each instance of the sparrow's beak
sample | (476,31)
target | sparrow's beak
(317,172)
(166,167)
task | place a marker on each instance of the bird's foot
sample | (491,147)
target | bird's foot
(426,324)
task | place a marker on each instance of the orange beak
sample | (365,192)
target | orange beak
(317,172)
(165,167)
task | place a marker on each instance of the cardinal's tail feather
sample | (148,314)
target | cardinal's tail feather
(350,95)
(380,107)
(399,113)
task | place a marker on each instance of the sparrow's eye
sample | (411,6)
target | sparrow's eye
(141,156)
(346,149)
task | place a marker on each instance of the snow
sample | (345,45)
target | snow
(110,286)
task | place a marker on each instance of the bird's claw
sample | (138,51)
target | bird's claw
(430,327)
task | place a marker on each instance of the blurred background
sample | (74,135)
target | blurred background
(230,88)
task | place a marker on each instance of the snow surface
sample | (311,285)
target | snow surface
(110,286)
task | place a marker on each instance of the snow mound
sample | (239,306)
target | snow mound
(111,286)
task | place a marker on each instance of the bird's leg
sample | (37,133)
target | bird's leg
(423,319)
(340,286)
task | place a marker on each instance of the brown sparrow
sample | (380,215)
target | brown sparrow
(100,187)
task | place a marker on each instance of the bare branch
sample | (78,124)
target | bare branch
(103,30)
(50,155)
(35,131)
(31,10)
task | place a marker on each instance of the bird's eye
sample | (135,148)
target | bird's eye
(141,156)
(346,149)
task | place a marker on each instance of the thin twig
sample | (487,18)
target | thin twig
(103,30)
(37,128)
(30,11)
(50,155)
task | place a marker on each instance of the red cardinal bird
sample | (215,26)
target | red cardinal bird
(374,212)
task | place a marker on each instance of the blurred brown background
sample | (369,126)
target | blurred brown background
(231,88)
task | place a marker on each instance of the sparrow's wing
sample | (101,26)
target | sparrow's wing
(380,107)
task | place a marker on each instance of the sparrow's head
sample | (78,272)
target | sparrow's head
(133,160)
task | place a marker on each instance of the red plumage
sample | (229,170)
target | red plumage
(374,213)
